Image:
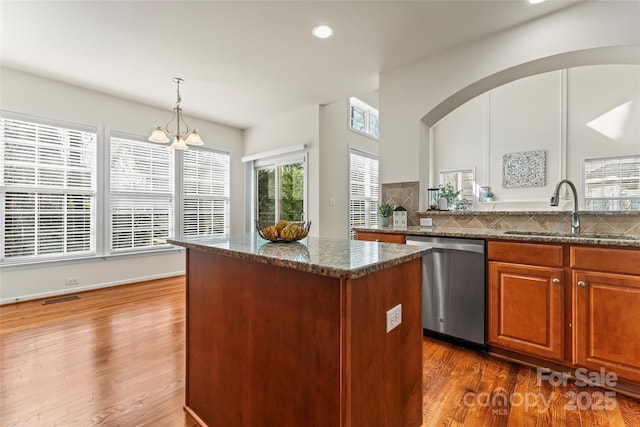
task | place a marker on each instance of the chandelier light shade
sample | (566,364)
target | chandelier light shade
(179,140)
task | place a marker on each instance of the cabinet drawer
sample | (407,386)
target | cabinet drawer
(381,237)
(606,259)
(525,253)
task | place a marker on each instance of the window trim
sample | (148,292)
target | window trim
(583,177)
(181,197)
(108,238)
(102,191)
(474,186)
(368,111)
(56,122)
(274,162)
(372,156)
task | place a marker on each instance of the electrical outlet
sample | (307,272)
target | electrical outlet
(71,281)
(332,201)
(426,222)
(394,317)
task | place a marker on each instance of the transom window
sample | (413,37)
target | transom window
(363,118)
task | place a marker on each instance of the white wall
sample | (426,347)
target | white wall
(534,114)
(40,96)
(325,131)
(596,90)
(335,141)
(409,93)
(524,115)
(457,146)
(297,127)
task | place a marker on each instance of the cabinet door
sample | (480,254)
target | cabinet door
(607,323)
(525,309)
(381,237)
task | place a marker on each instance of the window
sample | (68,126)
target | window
(612,184)
(363,118)
(205,201)
(363,190)
(280,190)
(462,180)
(141,194)
(51,209)
(48,189)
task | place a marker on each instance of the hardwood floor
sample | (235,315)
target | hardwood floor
(115,357)
(463,387)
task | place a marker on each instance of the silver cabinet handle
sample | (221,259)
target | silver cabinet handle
(556,281)
(581,283)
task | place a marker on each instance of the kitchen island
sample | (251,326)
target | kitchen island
(295,334)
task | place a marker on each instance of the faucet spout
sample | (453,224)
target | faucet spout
(555,199)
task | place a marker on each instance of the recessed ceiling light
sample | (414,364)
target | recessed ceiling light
(534,1)
(322,31)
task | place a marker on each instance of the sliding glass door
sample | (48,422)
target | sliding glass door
(280,191)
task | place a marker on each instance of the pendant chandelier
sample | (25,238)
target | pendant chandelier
(181,140)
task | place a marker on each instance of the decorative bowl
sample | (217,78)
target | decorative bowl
(283,231)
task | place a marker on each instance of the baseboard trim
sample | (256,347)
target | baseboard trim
(72,290)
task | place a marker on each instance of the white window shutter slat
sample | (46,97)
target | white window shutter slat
(49,190)
(363,190)
(206,184)
(142,188)
(612,183)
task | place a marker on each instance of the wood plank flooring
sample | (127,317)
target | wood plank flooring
(115,357)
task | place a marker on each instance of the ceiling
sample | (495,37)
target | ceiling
(242,61)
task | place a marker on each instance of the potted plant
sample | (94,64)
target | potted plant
(449,193)
(385,210)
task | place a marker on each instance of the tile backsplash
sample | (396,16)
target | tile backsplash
(590,222)
(405,194)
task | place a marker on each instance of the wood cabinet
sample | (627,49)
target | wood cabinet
(606,297)
(381,237)
(566,307)
(525,299)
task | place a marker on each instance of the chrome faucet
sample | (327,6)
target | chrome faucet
(575,218)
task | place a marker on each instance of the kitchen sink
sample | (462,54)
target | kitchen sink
(581,235)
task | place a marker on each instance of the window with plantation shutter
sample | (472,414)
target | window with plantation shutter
(363,190)
(48,189)
(612,184)
(141,202)
(206,186)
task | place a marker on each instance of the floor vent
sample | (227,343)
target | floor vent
(61,299)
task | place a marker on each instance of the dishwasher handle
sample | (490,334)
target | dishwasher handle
(466,247)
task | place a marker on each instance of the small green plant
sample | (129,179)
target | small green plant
(449,192)
(385,210)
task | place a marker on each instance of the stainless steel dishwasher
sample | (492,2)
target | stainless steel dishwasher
(453,289)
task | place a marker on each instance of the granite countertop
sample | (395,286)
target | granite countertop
(530,236)
(340,258)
